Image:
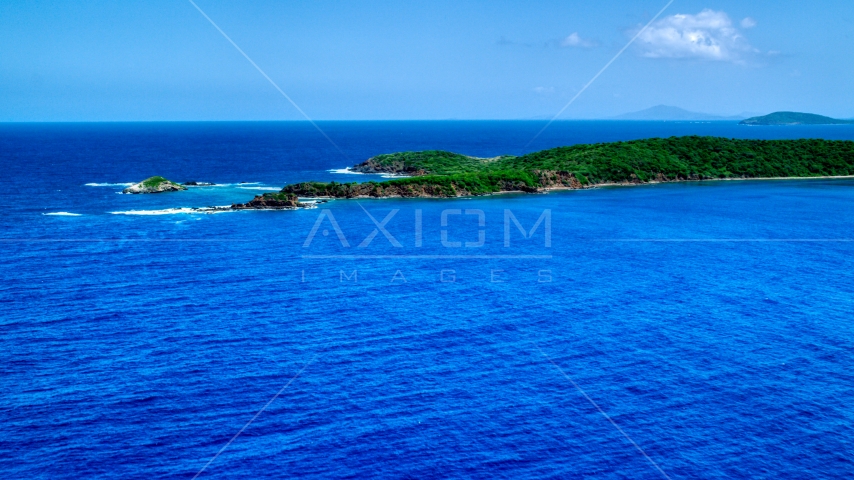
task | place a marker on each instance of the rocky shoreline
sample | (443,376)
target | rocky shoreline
(272,201)
(545,179)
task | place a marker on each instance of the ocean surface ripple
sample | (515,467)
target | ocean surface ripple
(710,321)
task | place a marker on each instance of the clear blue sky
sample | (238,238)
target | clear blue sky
(161,60)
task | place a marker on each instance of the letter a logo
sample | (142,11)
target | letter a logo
(326,214)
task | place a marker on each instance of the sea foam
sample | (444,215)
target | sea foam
(347,171)
(63,214)
(229,185)
(193,186)
(175,211)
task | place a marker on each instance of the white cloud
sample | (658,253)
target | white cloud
(708,35)
(575,40)
(748,23)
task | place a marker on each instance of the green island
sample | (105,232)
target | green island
(793,118)
(691,158)
(154,184)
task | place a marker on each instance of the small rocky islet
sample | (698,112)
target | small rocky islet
(159,184)
(267,201)
(154,185)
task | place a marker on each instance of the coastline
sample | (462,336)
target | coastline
(731,179)
(546,190)
(444,174)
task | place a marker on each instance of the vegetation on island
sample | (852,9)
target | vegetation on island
(683,158)
(279,196)
(446,174)
(793,118)
(438,161)
(154,184)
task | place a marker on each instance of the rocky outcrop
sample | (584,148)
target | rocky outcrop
(394,168)
(198,184)
(557,179)
(271,201)
(154,185)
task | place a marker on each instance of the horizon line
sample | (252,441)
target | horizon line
(607,119)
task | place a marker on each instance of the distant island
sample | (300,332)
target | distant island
(666,112)
(794,118)
(445,174)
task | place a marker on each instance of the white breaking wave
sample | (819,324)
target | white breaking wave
(269,189)
(231,184)
(193,186)
(63,214)
(347,171)
(176,211)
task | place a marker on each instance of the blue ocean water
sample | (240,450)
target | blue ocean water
(709,321)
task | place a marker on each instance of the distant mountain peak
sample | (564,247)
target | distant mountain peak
(667,112)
